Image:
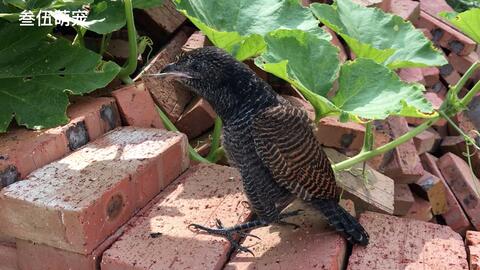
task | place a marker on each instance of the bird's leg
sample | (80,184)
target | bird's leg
(230,232)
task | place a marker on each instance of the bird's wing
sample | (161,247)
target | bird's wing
(286,143)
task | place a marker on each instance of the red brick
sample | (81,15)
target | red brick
(466,121)
(398,243)
(474,257)
(427,141)
(431,76)
(411,75)
(169,95)
(457,146)
(201,195)
(405,166)
(83,198)
(436,100)
(439,88)
(433,7)
(454,216)
(345,136)
(8,257)
(472,238)
(196,41)
(137,107)
(463,184)
(462,63)
(420,210)
(449,75)
(407,9)
(431,188)
(99,114)
(403,199)
(197,118)
(445,35)
(284,248)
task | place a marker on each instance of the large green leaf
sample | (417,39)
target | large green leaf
(36,73)
(311,62)
(371,91)
(468,22)
(238,26)
(385,38)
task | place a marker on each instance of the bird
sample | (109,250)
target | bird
(270,142)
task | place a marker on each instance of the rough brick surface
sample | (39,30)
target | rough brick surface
(196,41)
(454,216)
(457,146)
(430,187)
(160,238)
(398,243)
(420,210)
(374,194)
(445,35)
(431,76)
(474,260)
(472,238)
(345,136)
(169,95)
(8,257)
(281,247)
(197,118)
(427,141)
(411,75)
(83,198)
(433,7)
(462,63)
(463,184)
(137,107)
(405,166)
(407,9)
(403,199)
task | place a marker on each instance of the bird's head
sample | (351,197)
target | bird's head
(218,77)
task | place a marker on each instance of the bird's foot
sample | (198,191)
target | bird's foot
(229,233)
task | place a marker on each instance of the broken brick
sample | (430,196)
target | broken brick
(405,166)
(407,9)
(172,97)
(94,190)
(463,184)
(403,199)
(431,188)
(399,243)
(160,238)
(137,107)
(445,35)
(197,118)
(420,210)
(454,216)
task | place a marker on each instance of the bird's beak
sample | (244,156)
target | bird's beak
(169,71)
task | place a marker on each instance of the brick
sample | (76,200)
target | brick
(83,198)
(202,194)
(345,136)
(420,210)
(411,75)
(342,54)
(407,9)
(202,143)
(445,35)
(474,259)
(169,95)
(405,166)
(436,100)
(282,247)
(399,243)
(8,257)
(449,75)
(466,121)
(439,88)
(100,115)
(196,41)
(457,146)
(463,184)
(433,7)
(472,238)
(197,118)
(431,188)
(160,22)
(427,141)
(137,107)
(431,76)
(454,216)
(403,199)
(376,193)
(462,63)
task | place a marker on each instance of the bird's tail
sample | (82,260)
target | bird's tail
(343,222)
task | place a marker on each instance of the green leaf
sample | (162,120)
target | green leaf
(36,74)
(311,62)
(144,4)
(468,22)
(369,90)
(239,26)
(384,38)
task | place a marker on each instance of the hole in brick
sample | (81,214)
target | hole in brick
(77,136)
(109,116)
(115,206)
(9,176)
(445,70)
(436,34)
(346,140)
(456,46)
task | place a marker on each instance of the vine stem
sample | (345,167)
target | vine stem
(170,126)
(131,65)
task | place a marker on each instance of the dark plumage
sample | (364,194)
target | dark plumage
(271,142)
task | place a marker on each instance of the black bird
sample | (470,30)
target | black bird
(271,143)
